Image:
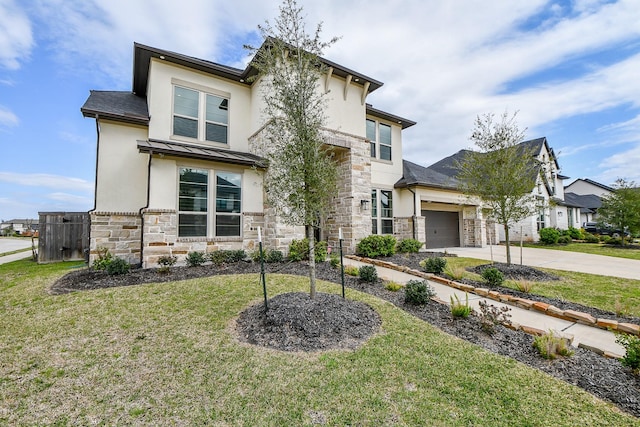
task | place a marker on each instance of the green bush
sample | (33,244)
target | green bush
(631,344)
(117,266)
(434,265)
(376,246)
(408,246)
(334,261)
(165,262)
(590,238)
(604,238)
(104,259)
(274,256)
(492,276)
(392,286)
(195,259)
(564,240)
(575,233)
(299,250)
(418,292)
(351,270)
(227,256)
(458,309)
(617,241)
(549,236)
(368,273)
(551,346)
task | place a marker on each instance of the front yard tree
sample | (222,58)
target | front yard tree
(502,173)
(302,172)
(621,209)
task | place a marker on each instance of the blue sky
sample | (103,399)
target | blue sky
(570,68)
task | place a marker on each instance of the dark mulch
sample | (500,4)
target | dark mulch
(605,378)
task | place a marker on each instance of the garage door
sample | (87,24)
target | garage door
(442,228)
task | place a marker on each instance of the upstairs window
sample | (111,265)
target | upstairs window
(200,115)
(379,136)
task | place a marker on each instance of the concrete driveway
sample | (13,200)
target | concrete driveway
(10,244)
(559,260)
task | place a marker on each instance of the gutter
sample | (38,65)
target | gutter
(413,223)
(95,189)
(140,211)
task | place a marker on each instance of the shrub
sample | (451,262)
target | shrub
(376,245)
(104,259)
(565,240)
(614,241)
(549,236)
(418,292)
(195,259)
(457,273)
(604,238)
(490,316)
(492,276)
(225,256)
(408,245)
(590,238)
(320,251)
(392,286)
(165,262)
(351,270)
(551,346)
(631,344)
(458,309)
(368,273)
(117,266)
(524,285)
(334,260)
(299,250)
(575,233)
(434,265)
(274,256)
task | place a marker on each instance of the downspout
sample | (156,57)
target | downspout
(415,217)
(95,190)
(141,213)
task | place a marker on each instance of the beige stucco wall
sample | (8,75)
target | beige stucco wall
(163,76)
(122,171)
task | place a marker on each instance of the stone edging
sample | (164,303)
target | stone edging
(548,309)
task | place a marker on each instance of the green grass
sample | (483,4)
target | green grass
(166,354)
(607,293)
(14,252)
(590,248)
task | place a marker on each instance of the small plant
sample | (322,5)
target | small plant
(299,250)
(194,259)
(620,308)
(434,265)
(492,276)
(455,273)
(117,266)
(392,286)
(551,346)
(564,240)
(524,285)
(490,316)
(368,273)
(616,241)
(274,256)
(458,309)
(334,261)
(351,270)
(165,262)
(226,256)
(408,246)
(631,344)
(549,236)
(590,238)
(104,259)
(418,292)
(376,245)
(575,233)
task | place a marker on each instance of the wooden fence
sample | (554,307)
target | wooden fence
(64,236)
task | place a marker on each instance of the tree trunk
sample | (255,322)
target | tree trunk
(507,243)
(312,261)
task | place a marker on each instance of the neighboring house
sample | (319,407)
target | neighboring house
(20,226)
(588,194)
(178,169)
(453,219)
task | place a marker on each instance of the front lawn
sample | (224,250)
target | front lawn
(591,248)
(607,293)
(165,354)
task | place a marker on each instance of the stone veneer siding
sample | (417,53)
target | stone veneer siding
(119,232)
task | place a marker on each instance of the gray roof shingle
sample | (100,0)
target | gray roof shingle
(117,105)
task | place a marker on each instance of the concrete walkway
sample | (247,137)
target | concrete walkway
(587,335)
(8,244)
(559,260)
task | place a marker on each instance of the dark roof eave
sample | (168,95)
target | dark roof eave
(202,153)
(405,123)
(401,184)
(136,120)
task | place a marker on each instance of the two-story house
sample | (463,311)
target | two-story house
(177,171)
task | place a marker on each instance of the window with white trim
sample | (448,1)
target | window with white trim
(382,212)
(200,115)
(197,217)
(379,135)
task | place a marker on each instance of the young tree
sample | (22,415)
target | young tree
(621,209)
(302,172)
(502,173)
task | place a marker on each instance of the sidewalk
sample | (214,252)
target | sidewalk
(8,244)
(559,260)
(582,334)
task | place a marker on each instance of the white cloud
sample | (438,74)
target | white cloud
(47,180)
(7,117)
(16,39)
(621,165)
(71,199)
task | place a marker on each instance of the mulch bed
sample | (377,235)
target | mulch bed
(288,329)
